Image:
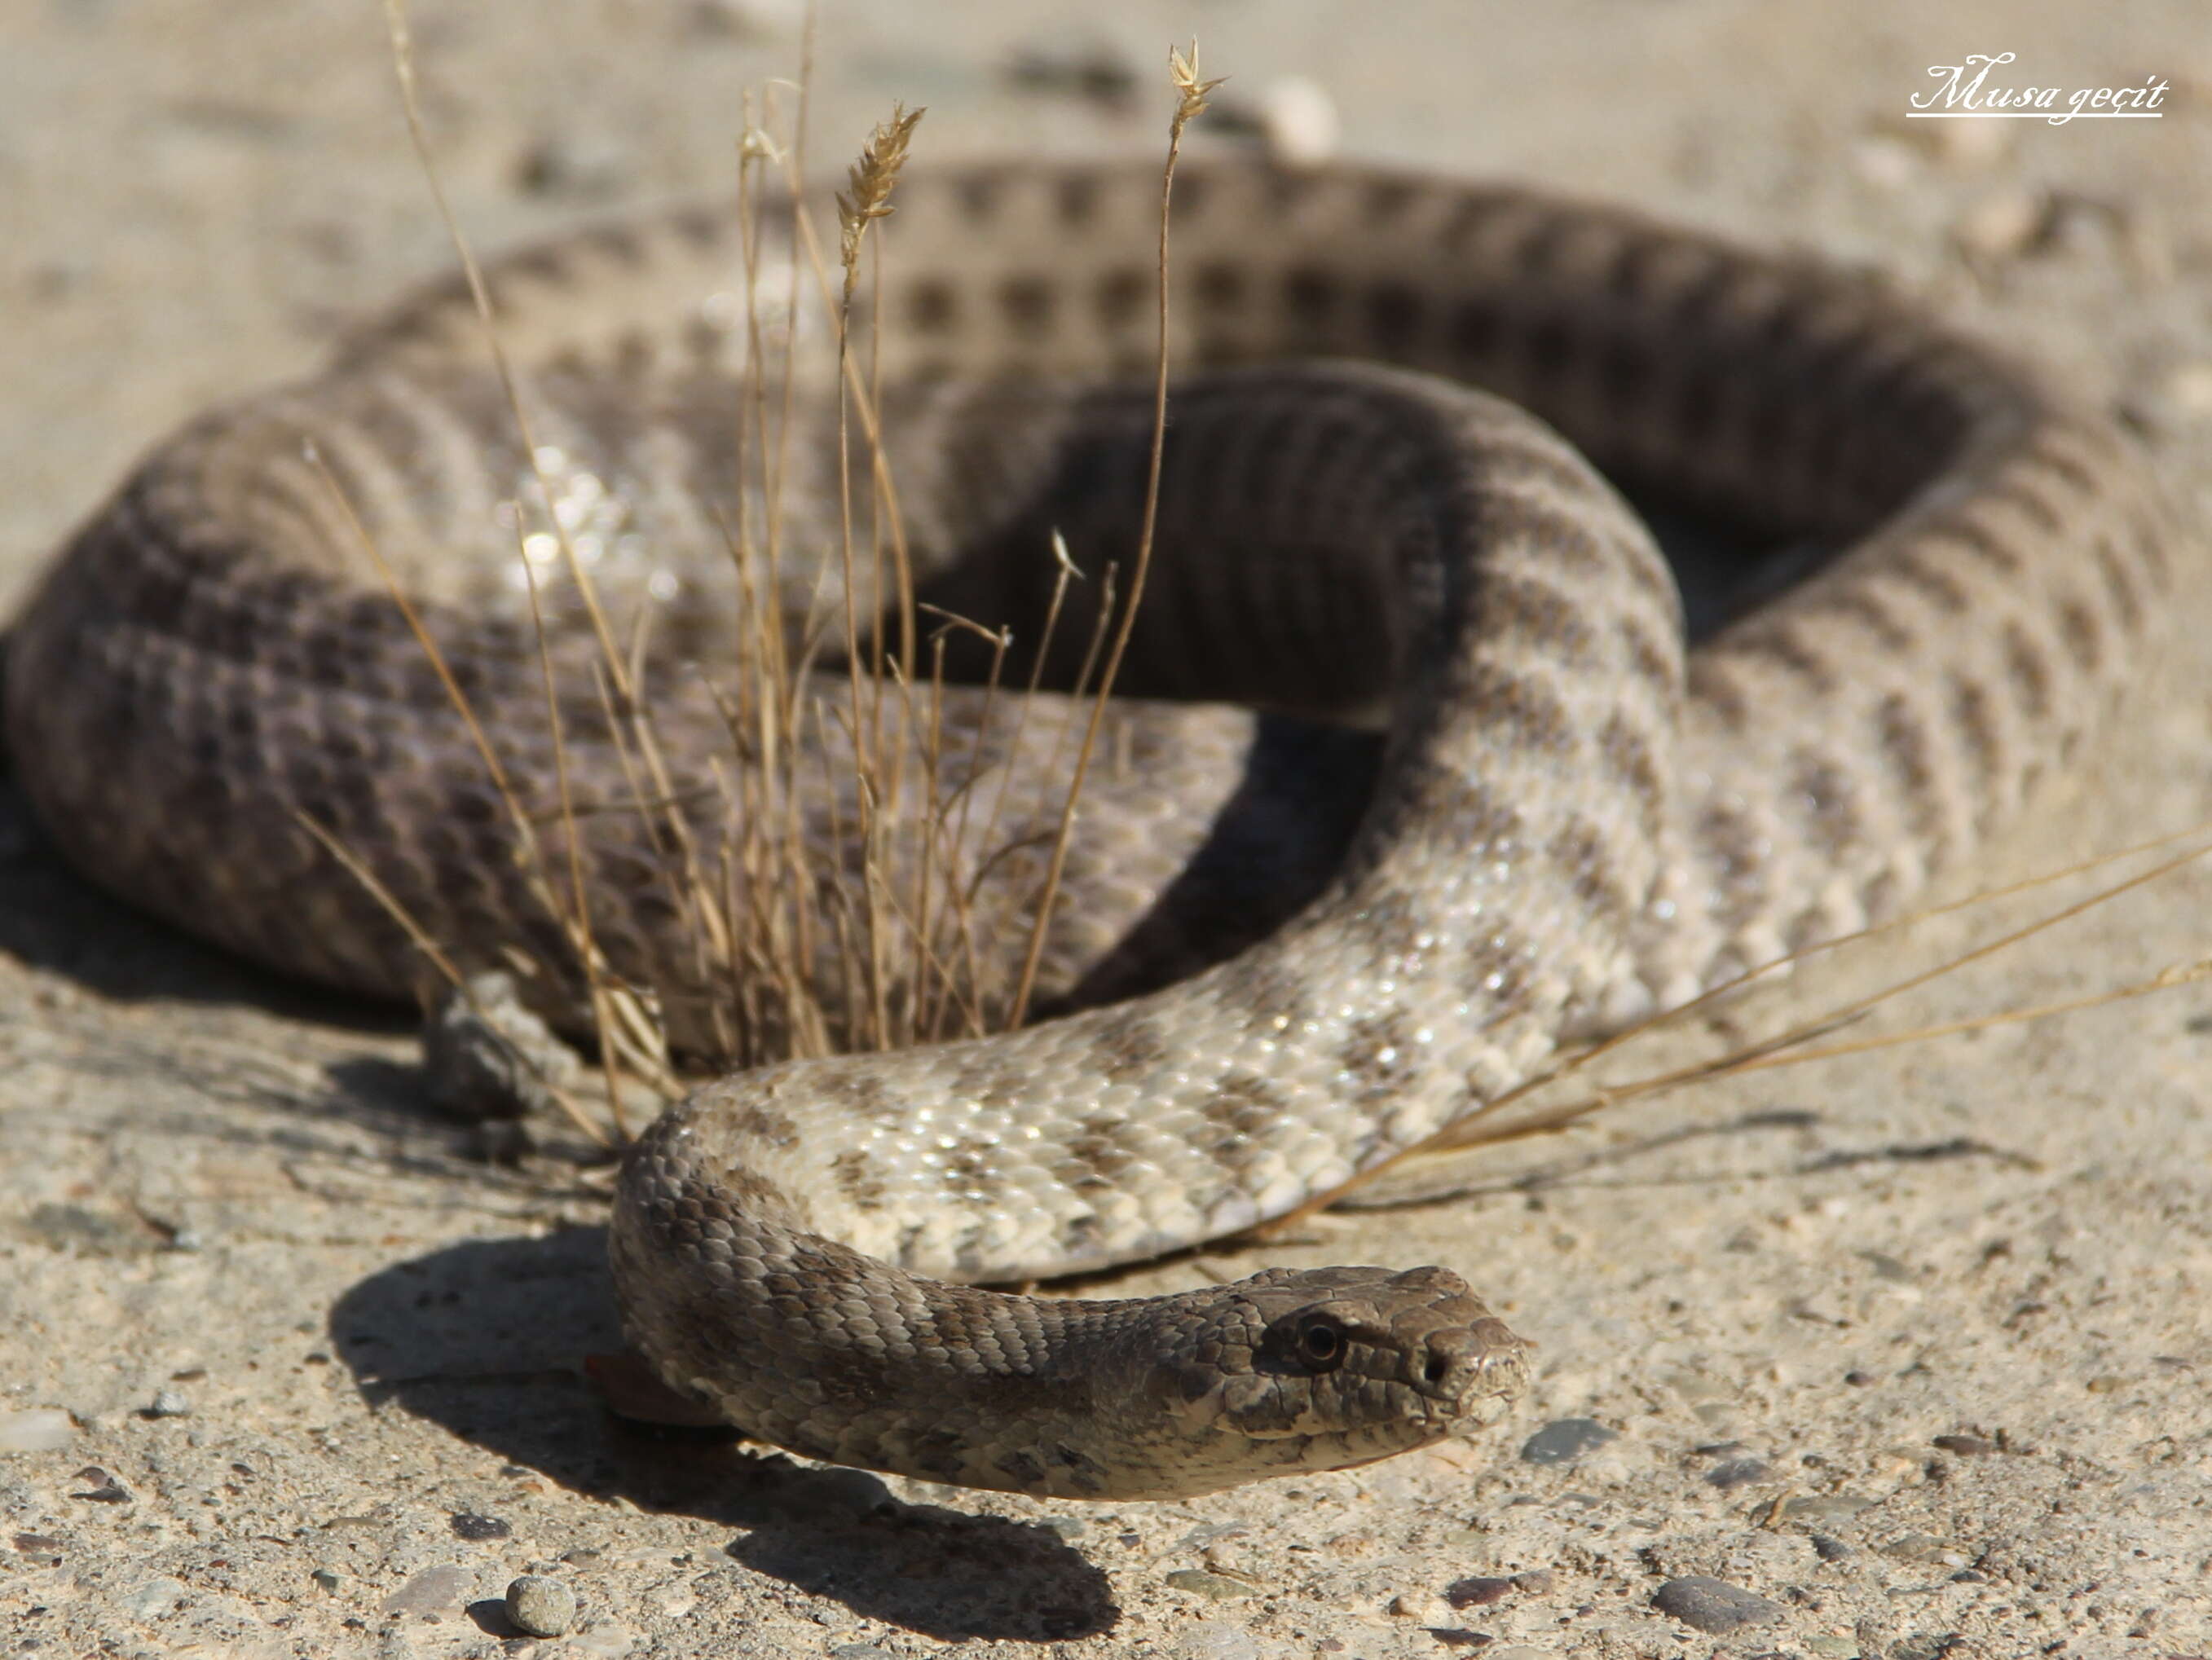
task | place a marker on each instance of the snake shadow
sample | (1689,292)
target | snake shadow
(487,1338)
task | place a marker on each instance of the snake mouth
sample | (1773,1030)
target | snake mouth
(1479,1408)
(1461,1367)
(1470,1379)
(1436,1419)
(1453,1384)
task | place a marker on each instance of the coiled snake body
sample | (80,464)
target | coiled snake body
(1571,821)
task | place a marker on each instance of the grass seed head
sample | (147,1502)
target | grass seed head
(1191,90)
(869,183)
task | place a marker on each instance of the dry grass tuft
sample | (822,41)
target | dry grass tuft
(822,914)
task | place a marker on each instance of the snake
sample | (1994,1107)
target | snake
(1418,777)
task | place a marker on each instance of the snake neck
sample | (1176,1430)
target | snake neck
(1404,992)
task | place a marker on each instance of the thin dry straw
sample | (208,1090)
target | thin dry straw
(871,181)
(776,716)
(403,56)
(1190,103)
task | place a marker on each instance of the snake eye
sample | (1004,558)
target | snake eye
(1321,1344)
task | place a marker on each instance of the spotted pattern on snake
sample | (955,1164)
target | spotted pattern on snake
(1569,823)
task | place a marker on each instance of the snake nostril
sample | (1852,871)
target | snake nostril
(1437,1366)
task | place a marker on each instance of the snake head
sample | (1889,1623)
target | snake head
(1321,1369)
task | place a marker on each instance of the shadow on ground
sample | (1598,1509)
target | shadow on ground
(487,1338)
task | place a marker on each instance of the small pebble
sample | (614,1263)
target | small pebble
(40,1430)
(1298,121)
(1826,1645)
(1210,1533)
(101,1487)
(1825,1509)
(1829,1548)
(603,1642)
(434,1590)
(1737,1472)
(541,1606)
(466,1525)
(325,1579)
(1922,1547)
(153,1600)
(1215,1639)
(1536,1582)
(168,1403)
(1966,1446)
(1218,1586)
(1565,1440)
(1886,1267)
(1226,1559)
(2008,226)
(1714,1606)
(487,1057)
(1476,1593)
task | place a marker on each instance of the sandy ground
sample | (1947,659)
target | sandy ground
(1914,1346)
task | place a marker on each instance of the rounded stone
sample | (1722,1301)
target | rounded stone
(486,1056)
(541,1606)
(1565,1439)
(1714,1606)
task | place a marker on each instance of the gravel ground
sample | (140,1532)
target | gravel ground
(1903,1355)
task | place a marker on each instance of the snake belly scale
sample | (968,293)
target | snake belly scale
(1574,820)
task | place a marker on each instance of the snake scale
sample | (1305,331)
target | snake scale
(1573,819)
